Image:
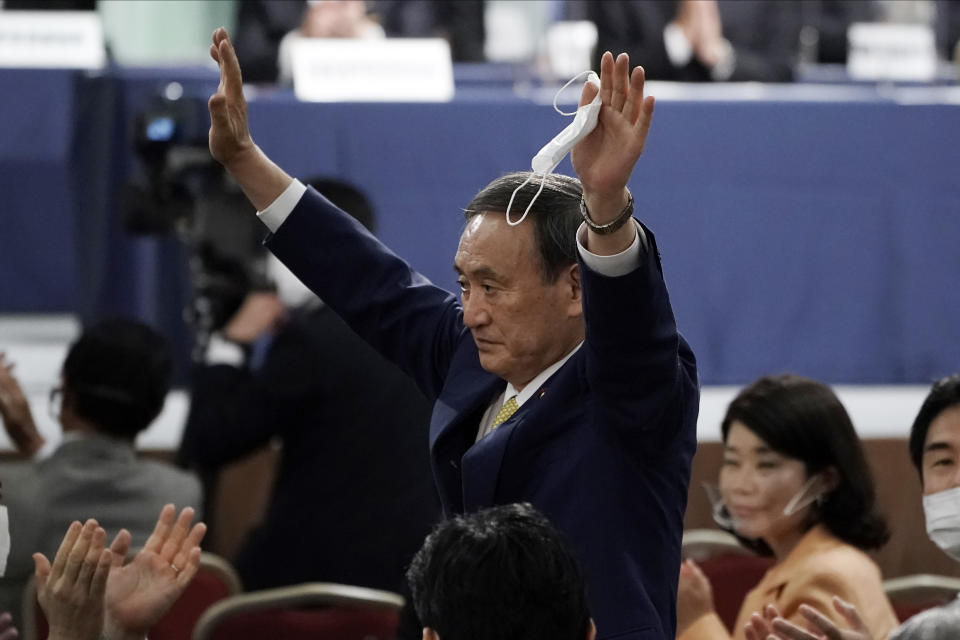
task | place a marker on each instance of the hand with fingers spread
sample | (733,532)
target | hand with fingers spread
(605,159)
(7,630)
(71,591)
(694,595)
(140,592)
(15,411)
(821,626)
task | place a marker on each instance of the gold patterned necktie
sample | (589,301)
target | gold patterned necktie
(508,409)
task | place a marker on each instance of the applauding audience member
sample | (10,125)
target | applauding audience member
(935,451)
(794,484)
(114,383)
(89,593)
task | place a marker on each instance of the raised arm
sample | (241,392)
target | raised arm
(604,160)
(231,145)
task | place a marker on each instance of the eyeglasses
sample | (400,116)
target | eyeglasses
(55,404)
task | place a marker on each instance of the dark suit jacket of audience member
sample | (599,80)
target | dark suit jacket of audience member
(764,35)
(353,497)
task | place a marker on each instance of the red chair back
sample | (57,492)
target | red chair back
(910,595)
(311,611)
(314,624)
(732,576)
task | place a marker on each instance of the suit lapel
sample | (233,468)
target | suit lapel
(453,429)
(482,462)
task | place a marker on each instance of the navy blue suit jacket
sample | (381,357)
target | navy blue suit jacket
(603,448)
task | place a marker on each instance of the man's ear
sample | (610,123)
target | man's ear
(430,634)
(592,631)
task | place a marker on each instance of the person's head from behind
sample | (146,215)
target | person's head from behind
(520,285)
(935,451)
(503,573)
(115,379)
(792,459)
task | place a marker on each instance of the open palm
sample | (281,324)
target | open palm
(139,593)
(605,159)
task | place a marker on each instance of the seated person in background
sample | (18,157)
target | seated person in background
(702,40)
(88,593)
(935,451)
(352,425)
(794,484)
(115,380)
(499,573)
(265,28)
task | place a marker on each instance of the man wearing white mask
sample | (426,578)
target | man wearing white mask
(935,451)
(286,368)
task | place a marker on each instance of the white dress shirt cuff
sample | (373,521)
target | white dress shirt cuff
(274,215)
(679,49)
(222,351)
(619,264)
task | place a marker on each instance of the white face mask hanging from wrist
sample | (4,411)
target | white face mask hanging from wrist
(547,159)
(942,512)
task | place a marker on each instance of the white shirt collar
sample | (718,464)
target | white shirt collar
(534,385)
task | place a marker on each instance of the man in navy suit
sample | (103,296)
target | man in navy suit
(559,377)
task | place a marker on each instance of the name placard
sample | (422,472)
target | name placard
(51,39)
(389,70)
(882,51)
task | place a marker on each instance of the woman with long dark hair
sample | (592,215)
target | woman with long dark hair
(794,484)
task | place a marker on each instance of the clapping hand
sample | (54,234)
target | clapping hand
(71,591)
(822,627)
(15,411)
(694,595)
(140,592)
(7,630)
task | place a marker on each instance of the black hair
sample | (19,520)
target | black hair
(503,573)
(555,215)
(117,375)
(347,197)
(803,419)
(944,394)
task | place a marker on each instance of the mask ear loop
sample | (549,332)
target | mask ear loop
(543,181)
(718,508)
(800,501)
(557,95)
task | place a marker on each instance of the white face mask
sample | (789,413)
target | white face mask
(552,153)
(290,290)
(810,492)
(4,539)
(942,511)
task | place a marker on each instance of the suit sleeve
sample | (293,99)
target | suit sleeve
(411,322)
(234,411)
(641,373)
